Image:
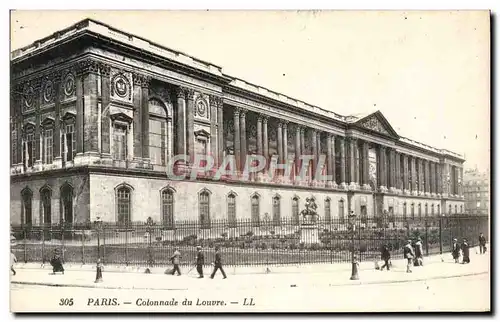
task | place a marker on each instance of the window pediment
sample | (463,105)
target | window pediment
(202,133)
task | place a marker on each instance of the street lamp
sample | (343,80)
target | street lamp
(98,225)
(354,272)
(149,225)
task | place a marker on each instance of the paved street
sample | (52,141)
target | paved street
(437,285)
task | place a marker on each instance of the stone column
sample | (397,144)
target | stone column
(432,189)
(266,141)
(303,149)
(285,142)
(390,170)
(445,177)
(105,120)
(352,162)
(333,155)
(457,176)
(439,179)
(298,129)
(181,121)
(280,142)
(259,135)
(243,138)
(461,182)
(397,171)
(414,188)
(314,143)
(220,130)
(342,162)
(382,175)
(406,186)
(213,128)
(366,165)
(237,145)
(357,164)
(421,176)
(329,162)
(190,124)
(137,145)
(57,121)
(145,117)
(427,178)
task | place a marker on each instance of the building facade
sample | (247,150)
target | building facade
(476,192)
(98,114)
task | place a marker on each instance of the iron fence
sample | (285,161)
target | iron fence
(243,242)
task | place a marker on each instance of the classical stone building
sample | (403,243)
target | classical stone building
(97,114)
(477,192)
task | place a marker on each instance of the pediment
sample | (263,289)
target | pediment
(202,132)
(120,113)
(378,123)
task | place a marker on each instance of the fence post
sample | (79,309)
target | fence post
(440,235)
(83,246)
(62,242)
(126,244)
(25,245)
(426,236)
(43,243)
(103,245)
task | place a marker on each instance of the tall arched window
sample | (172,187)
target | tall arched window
(68,138)
(167,208)
(432,210)
(27,209)
(48,141)
(123,205)
(426,210)
(461,209)
(231,209)
(404,211)
(45,200)
(412,211)
(67,203)
(419,211)
(255,211)
(158,129)
(449,209)
(29,147)
(328,214)
(295,211)
(438,210)
(204,215)
(276,210)
(341,211)
(456,209)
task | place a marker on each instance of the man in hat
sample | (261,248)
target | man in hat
(56,262)
(200,261)
(176,257)
(419,252)
(465,252)
(455,250)
(408,254)
(482,244)
(218,263)
(386,257)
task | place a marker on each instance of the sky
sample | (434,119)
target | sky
(427,72)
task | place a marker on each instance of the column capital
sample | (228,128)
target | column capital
(141,80)
(301,128)
(285,124)
(189,92)
(87,66)
(104,69)
(264,117)
(331,135)
(215,101)
(280,125)
(351,139)
(180,92)
(243,113)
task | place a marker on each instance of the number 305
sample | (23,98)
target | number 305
(66,302)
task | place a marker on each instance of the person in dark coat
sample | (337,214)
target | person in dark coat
(465,252)
(218,263)
(385,256)
(455,250)
(176,257)
(200,261)
(482,244)
(409,255)
(419,252)
(56,262)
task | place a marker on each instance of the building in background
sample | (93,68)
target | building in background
(476,192)
(97,114)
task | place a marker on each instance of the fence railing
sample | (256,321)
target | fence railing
(243,242)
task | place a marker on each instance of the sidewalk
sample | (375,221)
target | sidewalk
(317,275)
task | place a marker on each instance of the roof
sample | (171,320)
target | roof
(100,28)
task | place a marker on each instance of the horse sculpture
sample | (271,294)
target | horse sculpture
(309,215)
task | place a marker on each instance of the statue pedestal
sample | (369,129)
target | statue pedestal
(309,234)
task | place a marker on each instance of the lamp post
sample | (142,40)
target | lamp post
(354,272)
(149,224)
(98,225)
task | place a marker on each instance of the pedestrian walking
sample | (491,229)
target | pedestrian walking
(56,262)
(98,273)
(465,252)
(200,261)
(482,244)
(13,260)
(419,253)
(176,257)
(218,263)
(409,255)
(455,250)
(386,257)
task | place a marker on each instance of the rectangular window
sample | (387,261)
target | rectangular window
(48,146)
(328,215)
(364,215)
(69,147)
(157,139)
(120,142)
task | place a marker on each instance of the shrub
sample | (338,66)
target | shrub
(302,245)
(249,233)
(292,246)
(264,246)
(315,246)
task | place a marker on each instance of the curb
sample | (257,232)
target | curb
(185,289)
